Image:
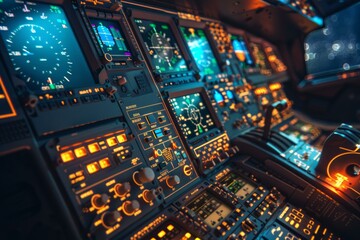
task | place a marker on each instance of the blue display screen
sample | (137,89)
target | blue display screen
(110,38)
(200,50)
(241,50)
(42,46)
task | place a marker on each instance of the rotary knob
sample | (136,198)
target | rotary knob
(130,207)
(121,189)
(149,195)
(99,200)
(172,181)
(109,219)
(145,175)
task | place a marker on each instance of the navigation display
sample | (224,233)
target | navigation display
(200,50)
(42,46)
(241,51)
(260,58)
(110,38)
(192,114)
(161,46)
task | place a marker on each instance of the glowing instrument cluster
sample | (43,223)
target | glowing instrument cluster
(144,118)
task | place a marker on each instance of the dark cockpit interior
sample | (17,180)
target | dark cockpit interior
(183,119)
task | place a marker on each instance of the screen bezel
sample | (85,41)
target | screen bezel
(158,17)
(80,37)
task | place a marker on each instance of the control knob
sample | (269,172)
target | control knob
(99,200)
(149,195)
(172,181)
(144,175)
(121,189)
(109,219)
(130,207)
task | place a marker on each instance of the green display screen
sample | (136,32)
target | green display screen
(161,45)
(200,50)
(192,114)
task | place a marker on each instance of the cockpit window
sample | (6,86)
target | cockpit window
(336,47)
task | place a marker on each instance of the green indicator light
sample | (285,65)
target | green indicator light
(200,129)
(187,101)
(52,86)
(152,25)
(164,27)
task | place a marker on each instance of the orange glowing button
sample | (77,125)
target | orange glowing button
(122,138)
(93,167)
(161,234)
(67,156)
(80,152)
(111,141)
(94,147)
(104,163)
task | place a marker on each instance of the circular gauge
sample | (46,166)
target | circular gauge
(42,46)
(194,114)
(42,55)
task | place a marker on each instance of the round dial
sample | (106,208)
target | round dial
(41,54)
(42,46)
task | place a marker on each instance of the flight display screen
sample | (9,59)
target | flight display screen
(192,114)
(200,50)
(241,51)
(42,46)
(161,46)
(110,38)
(260,58)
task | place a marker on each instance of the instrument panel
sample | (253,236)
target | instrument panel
(148,124)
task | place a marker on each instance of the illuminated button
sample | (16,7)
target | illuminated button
(93,167)
(105,163)
(188,235)
(174,146)
(161,234)
(158,133)
(156,153)
(111,141)
(121,138)
(94,147)
(150,119)
(67,156)
(170,227)
(80,152)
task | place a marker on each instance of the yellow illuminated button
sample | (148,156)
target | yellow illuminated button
(170,227)
(67,156)
(197,238)
(121,138)
(94,147)
(104,163)
(188,235)
(93,167)
(111,141)
(80,152)
(161,234)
